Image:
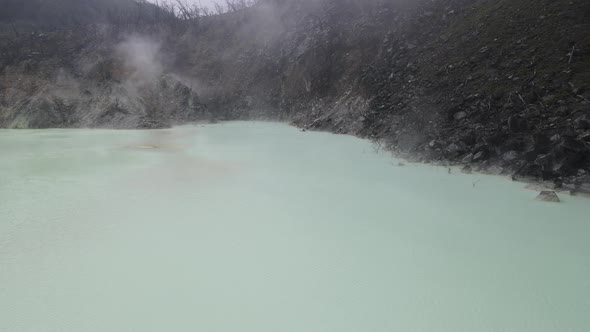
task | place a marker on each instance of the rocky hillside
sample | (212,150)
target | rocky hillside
(46,14)
(500,86)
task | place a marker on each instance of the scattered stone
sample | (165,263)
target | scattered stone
(479,156)
(517,123)
(466,169)
(495,169)
(510,156)
(460,115)
(469,139)
(547,100)
(454,149)
(467,159)
(548,196)
(571,145)
(541,142)
(484,49)
(543,160)
(582,123)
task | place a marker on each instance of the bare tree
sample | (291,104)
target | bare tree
(235,5)
(187,11)
(218,9)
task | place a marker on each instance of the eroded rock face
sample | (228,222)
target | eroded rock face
(162,103)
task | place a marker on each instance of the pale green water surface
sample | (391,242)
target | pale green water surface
(256,227)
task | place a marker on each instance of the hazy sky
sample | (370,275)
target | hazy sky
(208,3)
(203,2)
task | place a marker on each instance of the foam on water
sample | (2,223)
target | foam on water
(259,227)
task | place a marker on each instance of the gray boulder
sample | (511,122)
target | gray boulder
(548,196)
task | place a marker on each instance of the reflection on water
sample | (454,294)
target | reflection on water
(259,227)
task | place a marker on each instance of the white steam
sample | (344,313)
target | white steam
(141,59)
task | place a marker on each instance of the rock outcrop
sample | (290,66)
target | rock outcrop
(548,196)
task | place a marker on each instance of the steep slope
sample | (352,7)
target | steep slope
(113,80)
(500,86)
(59,13)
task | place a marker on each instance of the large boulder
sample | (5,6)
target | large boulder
(548,196)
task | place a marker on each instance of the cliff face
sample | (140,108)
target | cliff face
(499,85)
(94,77)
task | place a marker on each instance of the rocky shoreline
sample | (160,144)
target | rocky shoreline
(572,185)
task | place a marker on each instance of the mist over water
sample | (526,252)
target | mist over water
(259,227)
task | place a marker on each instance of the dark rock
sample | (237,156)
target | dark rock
(528,172)
(562,110)
(454,149)
(479,156)
(572,145)
(466,169)
(517,143)
(469,139)
(467,159)
(548,100)
(541,142)
(517,123)
(548,196)
(582,123)
(531,156)
(510,156)
(515,165)
(530,97)
(561,166)
(582,109)
(543,160)
(495,169)
(460,115)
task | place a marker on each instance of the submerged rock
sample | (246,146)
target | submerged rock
(467,169)
(548,196)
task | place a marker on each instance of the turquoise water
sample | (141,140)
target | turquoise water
(260,227)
